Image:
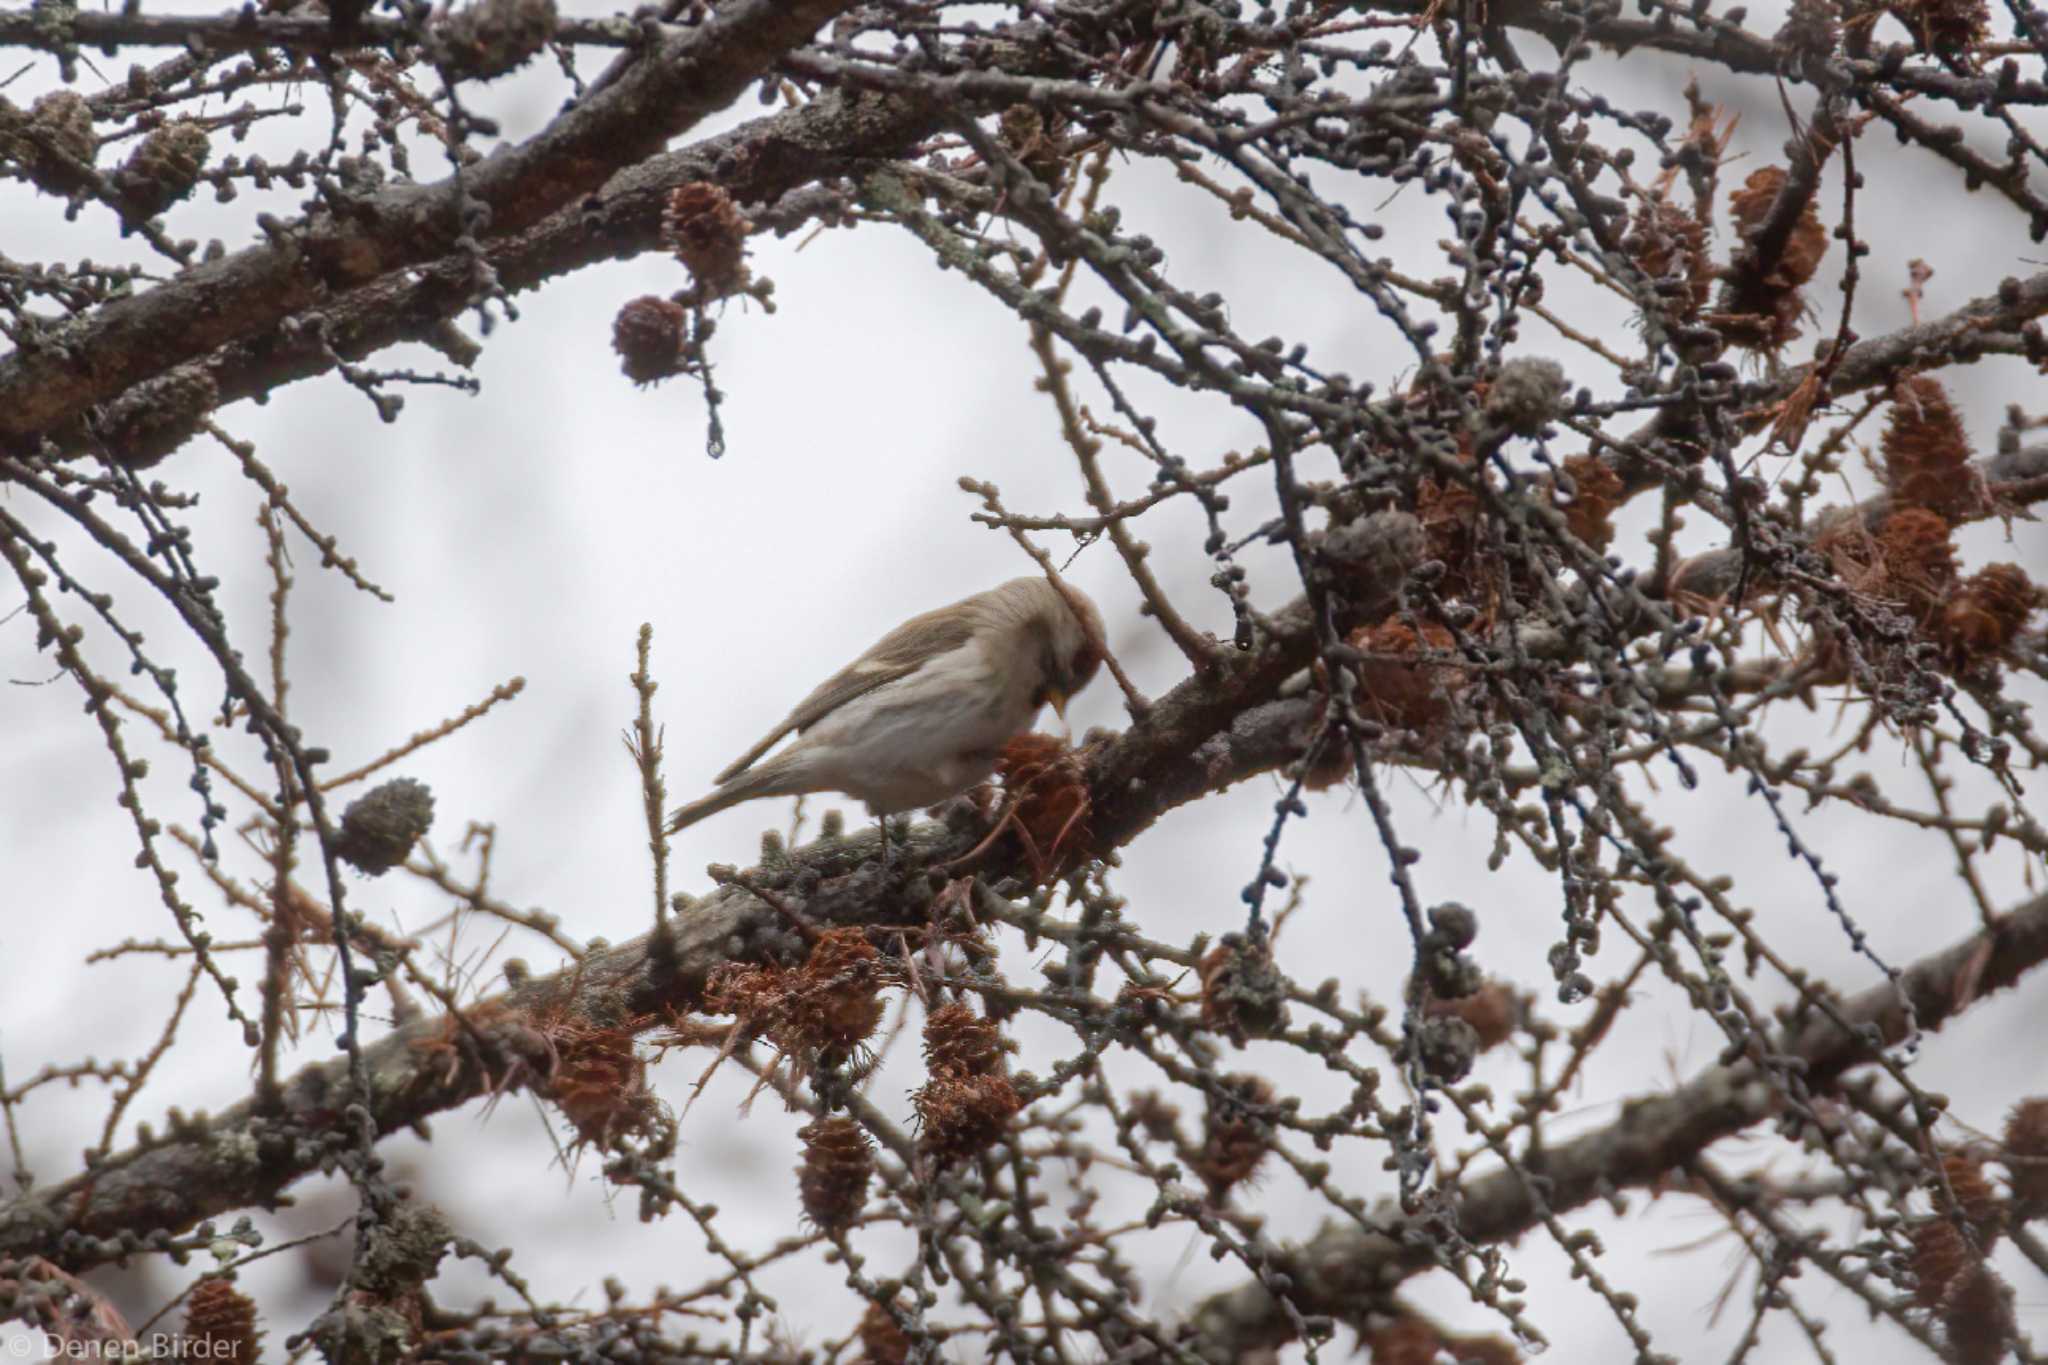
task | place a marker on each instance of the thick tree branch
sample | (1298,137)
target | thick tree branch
(245,30)
(1345,1269)
(1211,731)
(1984,326)
(757,162)
(1995,324)
(656,95)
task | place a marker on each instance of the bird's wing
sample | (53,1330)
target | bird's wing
(896,655)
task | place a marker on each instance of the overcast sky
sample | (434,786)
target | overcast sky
(531,530)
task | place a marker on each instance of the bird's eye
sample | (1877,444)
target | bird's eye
(1084,663)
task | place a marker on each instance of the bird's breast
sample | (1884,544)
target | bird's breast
(922,738)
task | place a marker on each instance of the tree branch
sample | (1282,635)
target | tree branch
(757,162)
(658,94)
(1345,1269)
(245,30)
(1211,731)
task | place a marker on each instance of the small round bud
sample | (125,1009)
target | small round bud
(1451,976)
(163,168)
(1244,994)
(64,119)
(1455,923)
(49,139)
(380,827)
(1446,1047)
(1526,394)
(492,37)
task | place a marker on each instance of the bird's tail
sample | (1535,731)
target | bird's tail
(765,780)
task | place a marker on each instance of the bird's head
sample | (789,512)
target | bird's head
(1071,645)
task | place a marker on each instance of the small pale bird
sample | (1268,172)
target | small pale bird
(923,713)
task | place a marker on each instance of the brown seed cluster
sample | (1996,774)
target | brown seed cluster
(1396,687)
(1916,555)
(1761,303)
(962,1116)
(598,1079)
(1668,242)
(1049,784)
(648,334)
(1986,612)
(832,1179)
(2026,1152)
(1926,452)
(1396,691)
(1908,559)
(1977,1317)
(1449,513)
(966,1104)
(1974,1195)
(1915,561)
(882,1341)
(821,1010)
(1233,1145)
(1940,1255)
(1951,1278)
(1410,1340)
(844,1006)
(1493,1011)
(1596,491)
(1946,26)
(708,233)
(1404,1341)
(220,1324)
(958,1040)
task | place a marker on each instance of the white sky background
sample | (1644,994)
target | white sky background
(531,530)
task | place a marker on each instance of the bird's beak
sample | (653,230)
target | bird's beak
(1059,703)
